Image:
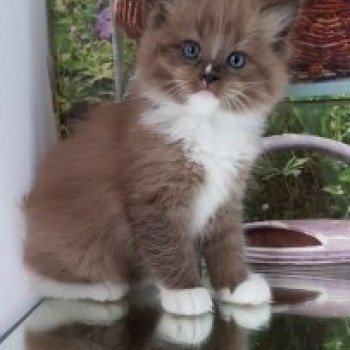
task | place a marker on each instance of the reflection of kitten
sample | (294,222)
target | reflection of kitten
(73,325)
(143,180)
(83,325)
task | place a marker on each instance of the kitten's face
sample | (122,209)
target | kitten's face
(233,50)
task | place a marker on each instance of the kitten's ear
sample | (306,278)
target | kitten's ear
(158,11)
(279,17)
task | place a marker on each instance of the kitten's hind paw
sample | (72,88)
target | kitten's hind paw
(187,302)
(253,291)
(52,314)
(185,330)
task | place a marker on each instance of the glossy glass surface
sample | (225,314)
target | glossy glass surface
(311,312)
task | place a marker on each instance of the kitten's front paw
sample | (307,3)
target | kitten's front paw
(185,330)
(186,302)
(253,291)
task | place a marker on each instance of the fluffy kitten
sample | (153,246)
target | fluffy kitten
(142,182)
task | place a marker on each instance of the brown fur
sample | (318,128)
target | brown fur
(245,25)
(78,227)
(113,202)
(223,248)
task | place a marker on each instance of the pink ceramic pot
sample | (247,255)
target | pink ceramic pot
(299,242)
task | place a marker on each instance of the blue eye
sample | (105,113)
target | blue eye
(191,50)
(237,60)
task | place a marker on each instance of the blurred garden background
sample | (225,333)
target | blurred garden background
(83,52)
(287,185)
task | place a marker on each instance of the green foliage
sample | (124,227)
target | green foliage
(84,68)
(289,332)
(128,57)
(301,184)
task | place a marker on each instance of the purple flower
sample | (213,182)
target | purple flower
(103,25)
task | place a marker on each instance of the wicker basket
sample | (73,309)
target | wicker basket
(322,40)
(130,15)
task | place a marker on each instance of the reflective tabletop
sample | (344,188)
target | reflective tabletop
(311,310)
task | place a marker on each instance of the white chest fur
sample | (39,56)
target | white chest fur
(217,140)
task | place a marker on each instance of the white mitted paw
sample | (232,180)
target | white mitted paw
(253,291)
(102,292)
(250,317)
(186,302)
(185,330)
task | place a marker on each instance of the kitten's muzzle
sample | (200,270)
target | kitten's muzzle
(209,78)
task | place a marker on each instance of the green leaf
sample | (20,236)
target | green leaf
(294,166)
(335,190)
(345,176)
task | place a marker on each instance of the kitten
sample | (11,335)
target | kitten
(142,182)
